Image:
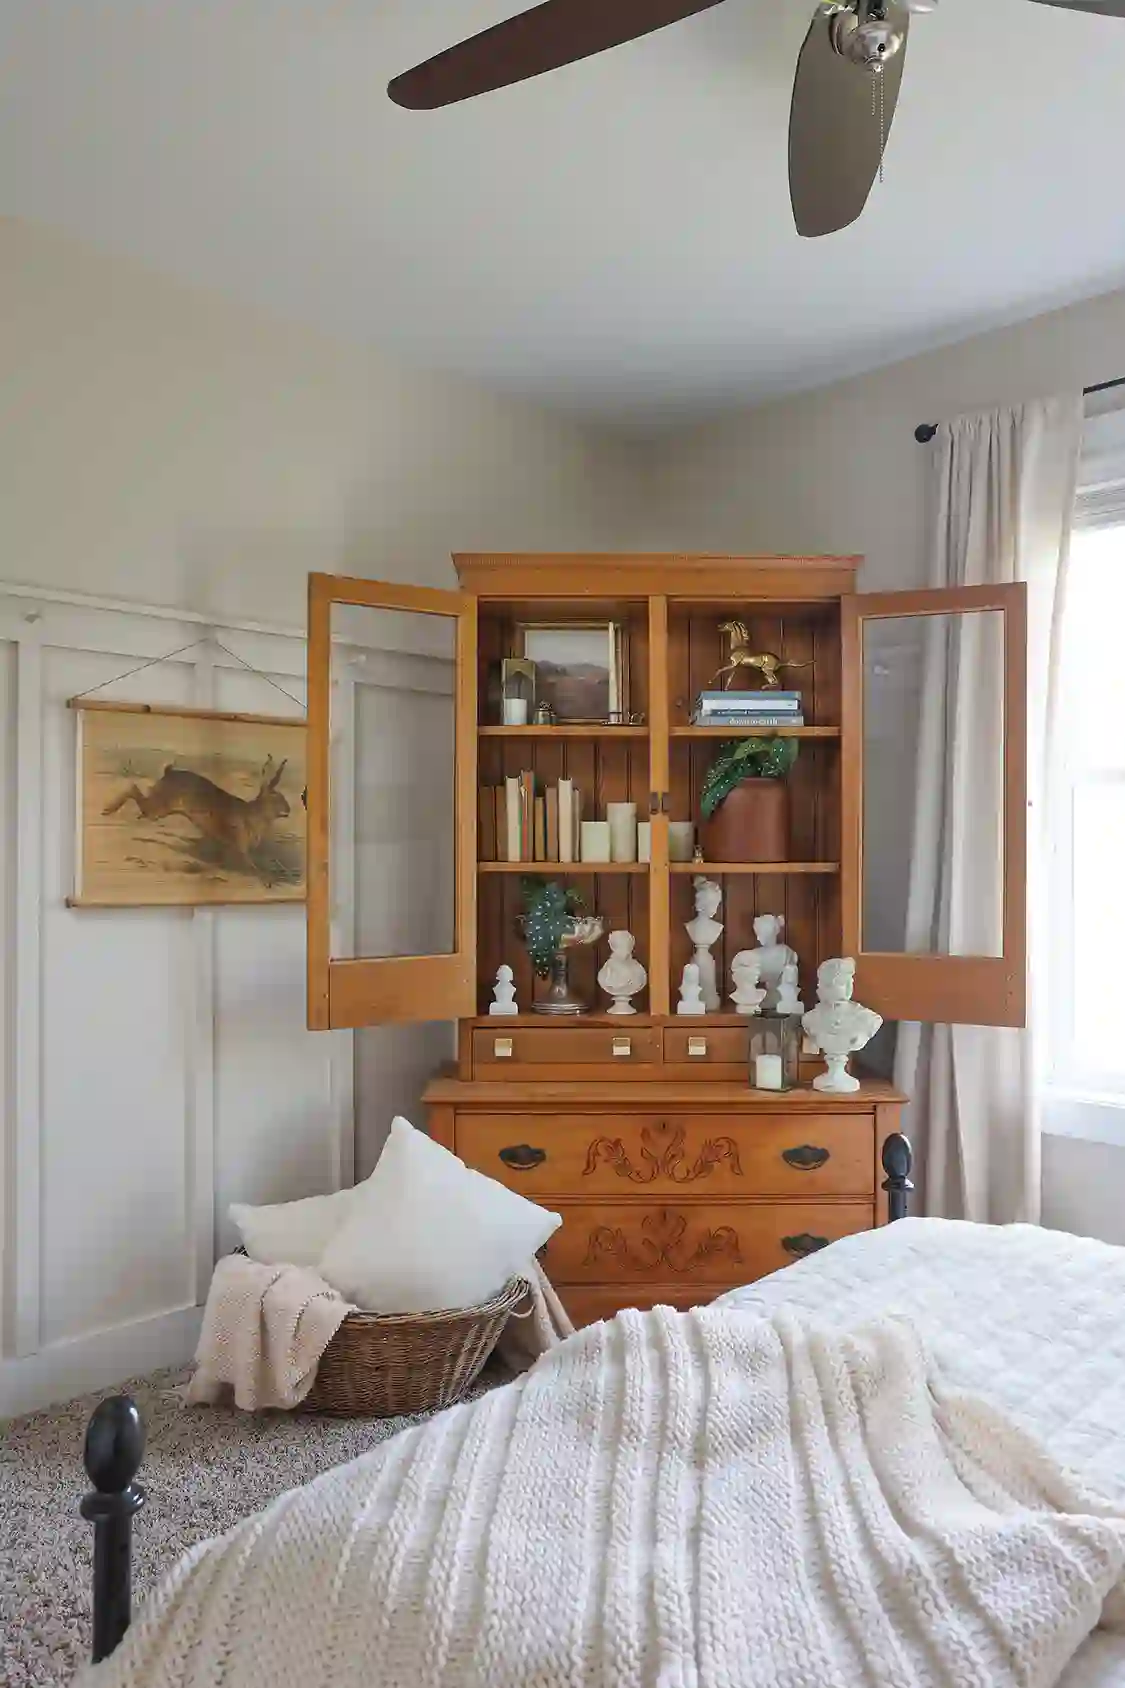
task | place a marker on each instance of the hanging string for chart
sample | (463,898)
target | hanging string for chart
(169,656)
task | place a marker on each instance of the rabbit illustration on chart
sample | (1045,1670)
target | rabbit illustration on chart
(236,827)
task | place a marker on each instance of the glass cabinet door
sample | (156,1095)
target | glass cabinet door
(391,803)
(934,801)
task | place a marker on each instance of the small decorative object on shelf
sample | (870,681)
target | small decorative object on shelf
(504,992)
(545,716)
(681,841)
(704,930)
(644,841)
(770,667)
(691,992)
(744,971)
(745,800)
(775,1052)
(622,976)
(554,922)
(839,1025)
(622,818)
(595,841)
(517,691)
(788,997)
(773,955)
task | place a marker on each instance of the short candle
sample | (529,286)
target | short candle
(767,1072)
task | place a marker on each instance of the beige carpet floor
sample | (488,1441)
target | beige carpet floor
(205,1469)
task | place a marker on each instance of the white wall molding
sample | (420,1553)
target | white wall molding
(97,1360)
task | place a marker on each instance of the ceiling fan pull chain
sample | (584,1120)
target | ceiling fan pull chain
(882,124)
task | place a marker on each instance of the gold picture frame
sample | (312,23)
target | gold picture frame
(581,668)
(187,807)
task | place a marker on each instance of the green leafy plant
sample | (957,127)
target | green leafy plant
(548,912)
(745,759)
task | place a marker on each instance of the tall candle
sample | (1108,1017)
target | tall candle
(767,1072)
(622,818)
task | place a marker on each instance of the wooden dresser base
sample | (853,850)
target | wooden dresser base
(673,1192)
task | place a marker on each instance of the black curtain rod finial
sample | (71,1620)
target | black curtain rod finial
(925,432)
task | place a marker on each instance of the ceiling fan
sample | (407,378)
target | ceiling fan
(844,93)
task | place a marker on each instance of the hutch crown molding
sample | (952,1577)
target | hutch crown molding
(675,1179)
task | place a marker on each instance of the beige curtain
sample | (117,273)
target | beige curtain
(1001,488)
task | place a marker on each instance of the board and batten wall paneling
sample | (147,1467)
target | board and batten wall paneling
(155,1064)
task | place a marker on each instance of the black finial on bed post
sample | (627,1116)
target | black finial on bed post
(115,1445)
(898,1159)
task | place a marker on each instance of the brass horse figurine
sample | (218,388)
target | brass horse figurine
(741,656)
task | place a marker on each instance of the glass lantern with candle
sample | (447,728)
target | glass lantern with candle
(517,691)
(775,1052)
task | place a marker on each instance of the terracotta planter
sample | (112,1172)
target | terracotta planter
(751,824)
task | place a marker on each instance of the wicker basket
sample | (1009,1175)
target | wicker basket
(381,1366)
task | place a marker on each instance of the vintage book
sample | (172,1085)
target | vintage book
(513,832)
(576,834)
(747,703)
(486,816)
(500,822)
(552,823)
(527,815)
(566,821)
(755,720)
(540,829)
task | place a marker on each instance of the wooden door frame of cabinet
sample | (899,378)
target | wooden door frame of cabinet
(347,993)
(940,989)
(659,903)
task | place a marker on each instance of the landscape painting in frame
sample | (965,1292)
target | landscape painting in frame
(187,807)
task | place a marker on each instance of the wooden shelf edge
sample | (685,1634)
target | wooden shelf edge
(766,869)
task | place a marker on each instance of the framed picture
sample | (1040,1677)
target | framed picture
(580,668)
(188,807)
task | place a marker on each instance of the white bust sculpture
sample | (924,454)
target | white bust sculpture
(747,995)
(622,976)
(839,1025)
(691,992)
(788,991)
(704,931)
(504,992)
(773,955)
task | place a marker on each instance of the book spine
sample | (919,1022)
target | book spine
(512,819)
(767,707)
(527,816)
(724,699)
(750,721)
(566,821)
(540,829)
(576,833)
(552,823)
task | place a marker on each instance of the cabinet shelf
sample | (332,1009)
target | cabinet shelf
(564,730)
(770,868)
(563,869)
(755,732)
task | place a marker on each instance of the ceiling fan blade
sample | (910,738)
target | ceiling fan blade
(1100,8)
(833,131)
(557,33)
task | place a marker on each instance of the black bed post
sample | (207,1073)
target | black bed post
(898,1159)
(115,1444)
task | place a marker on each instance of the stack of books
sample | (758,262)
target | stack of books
(519,824)
(748,709)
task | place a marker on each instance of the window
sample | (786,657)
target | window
(1086,823)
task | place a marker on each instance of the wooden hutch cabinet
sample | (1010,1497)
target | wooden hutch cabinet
(675,1179)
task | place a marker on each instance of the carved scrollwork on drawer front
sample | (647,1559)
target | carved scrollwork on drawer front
(806,1158)
(663,1154)
(664,1245)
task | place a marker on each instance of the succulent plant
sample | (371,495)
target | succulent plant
(745,759)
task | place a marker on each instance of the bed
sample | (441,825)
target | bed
(1029,1320)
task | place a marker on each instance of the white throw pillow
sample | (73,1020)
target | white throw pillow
(292,1233)
(427,1234)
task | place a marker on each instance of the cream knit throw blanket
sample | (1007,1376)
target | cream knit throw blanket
(699,1500)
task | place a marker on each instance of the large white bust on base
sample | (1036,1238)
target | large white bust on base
(838,1025)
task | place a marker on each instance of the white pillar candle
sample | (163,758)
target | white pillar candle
(681,841)
(595,841)
(644,841)
(515,712)
(767,1072)
(622,819)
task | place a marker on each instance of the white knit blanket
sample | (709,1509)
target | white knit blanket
(699,1500)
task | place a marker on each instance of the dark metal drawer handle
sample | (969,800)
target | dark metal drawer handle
(803,1245)
(806,1158)
(521,1157)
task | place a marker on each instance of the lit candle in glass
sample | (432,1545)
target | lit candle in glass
(767,1072)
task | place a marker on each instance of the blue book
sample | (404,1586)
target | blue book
(727,698)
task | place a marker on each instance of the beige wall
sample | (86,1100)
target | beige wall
(161,444)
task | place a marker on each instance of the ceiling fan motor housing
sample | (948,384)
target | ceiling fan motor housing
(865,36)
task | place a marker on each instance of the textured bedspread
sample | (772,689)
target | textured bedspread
(703,1500)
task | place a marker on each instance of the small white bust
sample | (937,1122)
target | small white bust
(773,955)
(839,1025)
(504,992)
(744,971)
(788,998)
(704,930)
(622,976)
(691,992)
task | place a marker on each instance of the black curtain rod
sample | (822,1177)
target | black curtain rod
(925,431)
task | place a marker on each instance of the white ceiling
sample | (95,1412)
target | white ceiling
(614,239)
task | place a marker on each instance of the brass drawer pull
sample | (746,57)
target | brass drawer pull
(622,1046)
(697,1047)
(504,1048)
(805,1244)
(806,1158)
(521,1157)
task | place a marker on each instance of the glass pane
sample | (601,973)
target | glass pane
(933,784)
(393,723)
(1099,920)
